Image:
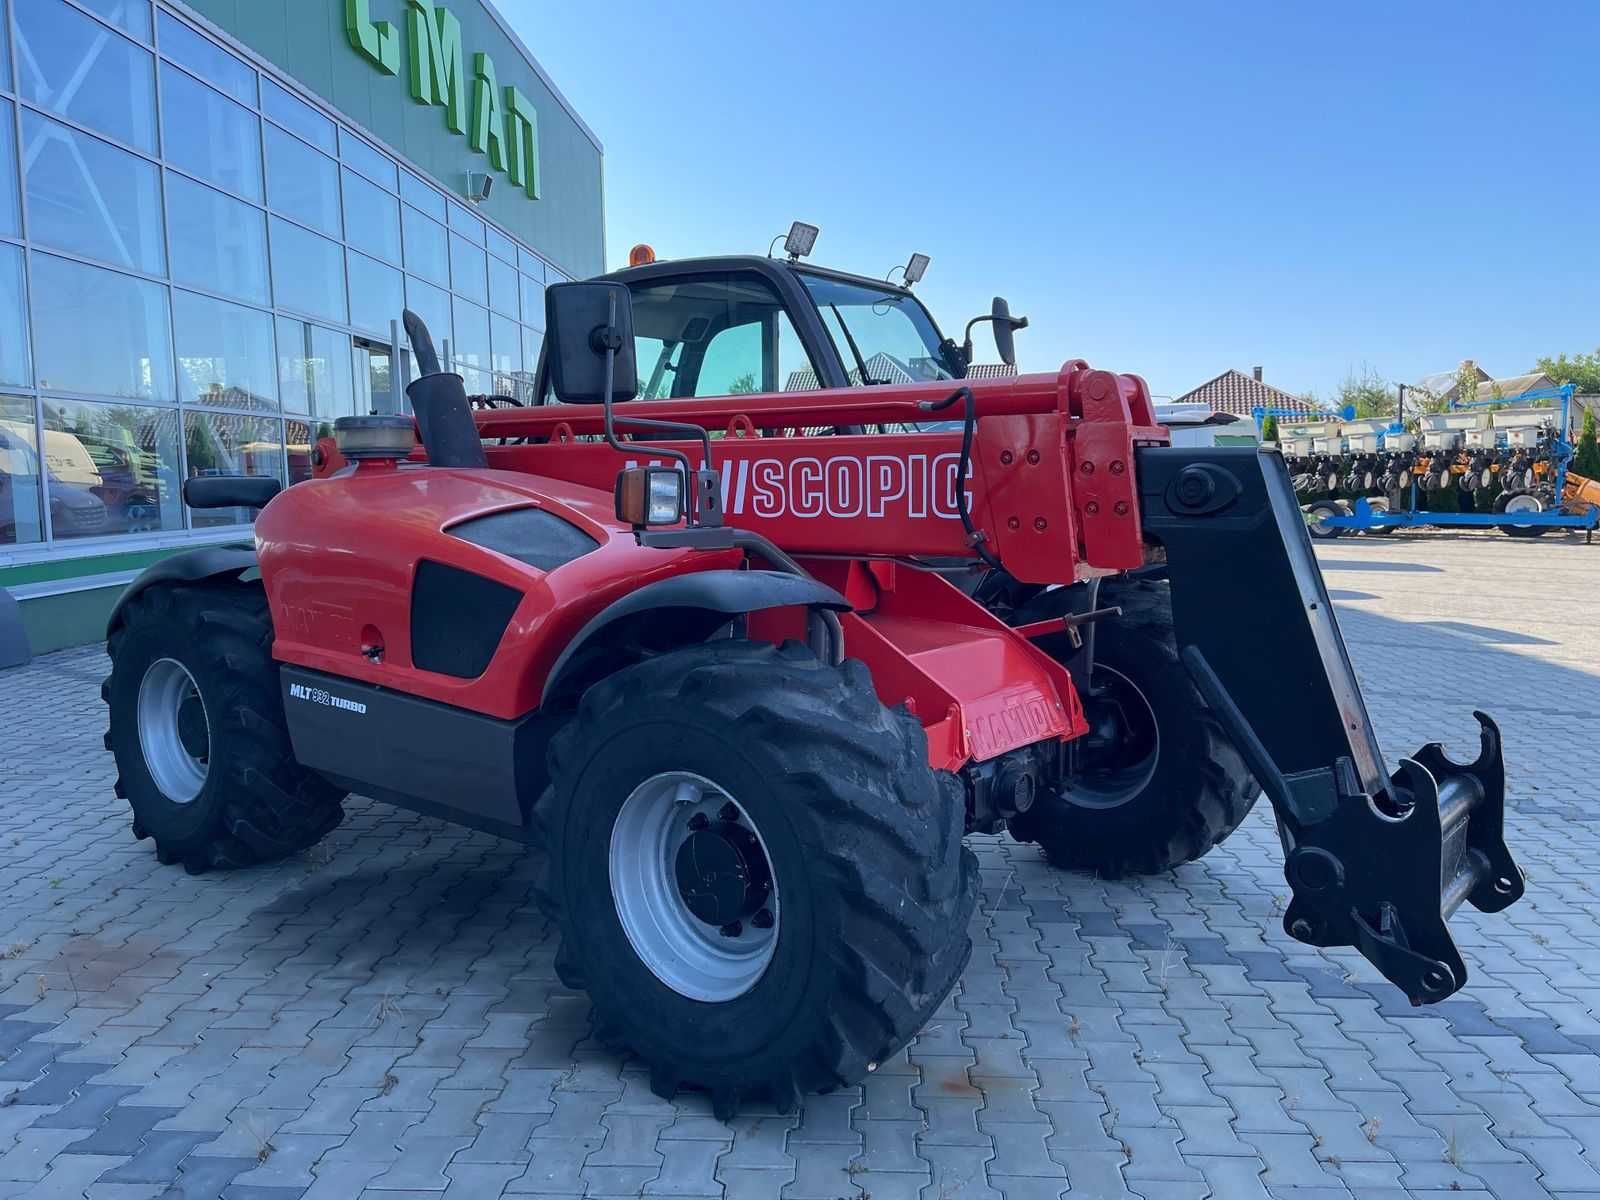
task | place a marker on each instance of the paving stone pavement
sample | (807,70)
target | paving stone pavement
(380,1017)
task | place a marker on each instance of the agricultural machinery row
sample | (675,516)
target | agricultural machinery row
(1502,464)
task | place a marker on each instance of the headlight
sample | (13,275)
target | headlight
(650,496)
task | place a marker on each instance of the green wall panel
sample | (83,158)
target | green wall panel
(306,39)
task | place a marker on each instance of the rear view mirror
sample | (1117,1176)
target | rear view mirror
(583,321)
(1005,327)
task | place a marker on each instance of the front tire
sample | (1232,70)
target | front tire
(197,728)
(1160,783)
(836,921)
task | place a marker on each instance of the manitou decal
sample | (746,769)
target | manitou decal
(841,485)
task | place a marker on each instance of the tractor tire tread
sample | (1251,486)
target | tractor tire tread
(882,818)
(272,806)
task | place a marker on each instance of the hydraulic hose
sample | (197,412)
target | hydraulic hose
(976,538)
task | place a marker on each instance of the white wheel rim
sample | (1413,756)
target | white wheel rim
(174,730)
(1524,504)
(650,849)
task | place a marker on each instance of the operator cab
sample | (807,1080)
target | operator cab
(742,324)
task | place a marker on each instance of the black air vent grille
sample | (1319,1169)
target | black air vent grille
(457,619)
(529,535)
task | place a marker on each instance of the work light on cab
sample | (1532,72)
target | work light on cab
(649,496)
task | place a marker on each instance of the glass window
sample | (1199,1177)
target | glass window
(503,287)
(464,222)
(302,183)
(368,161)
(75,66)
(501,245)
(300,441)
(532,339)
(469,349)
(113,468)
(307,272)
(224,353)
(131,15)
(207,60)
(295,114)
(506,337)
(314,370)
(218,243)
(15,366)
(433,306)
(888,328)
(418,194)
(5,82)
(21,518)
(371,218)
(717,335)
(87,196)
(533,301)
(427,247)
(531,263)
(230,444)
(123,320)
(467,269)
(209,135)
(10,212)
(375,294)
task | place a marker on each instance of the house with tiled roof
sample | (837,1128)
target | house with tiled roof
(1240,394)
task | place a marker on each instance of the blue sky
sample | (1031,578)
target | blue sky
(1166,189)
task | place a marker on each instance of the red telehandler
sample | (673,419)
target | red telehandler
(766,604)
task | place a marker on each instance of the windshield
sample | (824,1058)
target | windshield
(882,335)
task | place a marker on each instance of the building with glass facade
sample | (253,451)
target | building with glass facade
(211,216)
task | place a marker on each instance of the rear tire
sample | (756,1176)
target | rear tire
(871,887)
(197,728)
(1175,786)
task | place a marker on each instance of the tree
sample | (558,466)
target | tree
(1269,429)
(743,385)
(1368,392)
(1466,381)
(1587,460)
(1581,370)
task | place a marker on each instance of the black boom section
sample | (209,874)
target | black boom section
(457,619)
(1376,861)
(530,535)
(1246,590)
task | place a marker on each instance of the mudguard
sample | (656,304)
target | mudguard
(191,566)
(722,594)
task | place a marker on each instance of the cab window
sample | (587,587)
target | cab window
(715,335)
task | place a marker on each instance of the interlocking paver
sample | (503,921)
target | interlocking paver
(382,1018)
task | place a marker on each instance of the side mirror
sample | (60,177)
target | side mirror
(1005,326)
(582,322)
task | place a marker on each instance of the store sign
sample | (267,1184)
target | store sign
(500,124)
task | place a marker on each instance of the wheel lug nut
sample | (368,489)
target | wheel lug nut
(732,929)
(762,920)
(698,821)
(730,812)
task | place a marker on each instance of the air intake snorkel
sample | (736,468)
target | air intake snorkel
(439,399)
